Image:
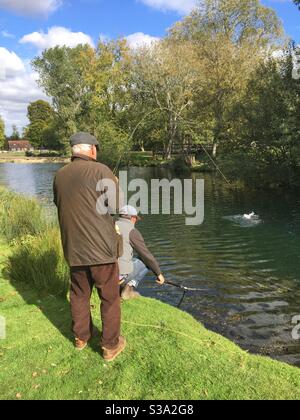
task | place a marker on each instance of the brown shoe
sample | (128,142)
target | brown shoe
(129,293)
(111,355)
(80,345)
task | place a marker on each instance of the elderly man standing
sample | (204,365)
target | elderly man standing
(90,243)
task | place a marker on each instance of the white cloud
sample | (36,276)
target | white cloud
(10,64)
(18,87)
(7,34)
(139,39)
(31,7)
(56,36)
(180,6)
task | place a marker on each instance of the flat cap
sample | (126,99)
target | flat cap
(83,138)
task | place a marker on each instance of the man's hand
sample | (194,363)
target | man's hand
(160,280)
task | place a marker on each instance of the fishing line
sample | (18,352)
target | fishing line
(184,288)
(192,132)
(132,134)
(205,342)
(209,155)
(181,301)
(159,327)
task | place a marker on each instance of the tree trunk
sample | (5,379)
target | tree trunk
(191,160)
(215,149)
(173,131)
(169,150)
(142,147)
(218,128)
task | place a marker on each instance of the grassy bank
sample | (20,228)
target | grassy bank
(20,216)
(177,163)
(34,237)
(133,159)
(24,159)
(169,355)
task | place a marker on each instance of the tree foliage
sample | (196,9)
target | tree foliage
(88,88)
(2,133)
(216,79)
(41,117)
(230,38)
(265,140)
(165,80)
(15,133)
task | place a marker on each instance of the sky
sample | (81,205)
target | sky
(27,27)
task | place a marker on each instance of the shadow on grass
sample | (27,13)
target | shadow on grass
(52,302)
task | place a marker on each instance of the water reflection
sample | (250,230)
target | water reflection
(31,179)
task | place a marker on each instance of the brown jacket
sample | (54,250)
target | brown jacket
(88,238)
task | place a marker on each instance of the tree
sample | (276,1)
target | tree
(265,144)
(213,80)
(50,137)
(40,115)
(164,78)
(60,76)
(230,38)
(2,133)
(89,88)
(297,2)
(39,111)
(15,133)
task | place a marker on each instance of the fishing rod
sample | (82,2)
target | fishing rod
(184,288)
(180,286)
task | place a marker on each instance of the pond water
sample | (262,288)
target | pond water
(249,272)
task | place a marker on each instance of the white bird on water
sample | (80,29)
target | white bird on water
(249,216)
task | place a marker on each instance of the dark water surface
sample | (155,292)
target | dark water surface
(250,276)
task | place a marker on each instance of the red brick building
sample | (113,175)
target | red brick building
(19,146)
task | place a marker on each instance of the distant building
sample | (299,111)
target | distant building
(19,146)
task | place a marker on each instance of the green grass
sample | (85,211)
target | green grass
(39,261)
(144,159)
(20,216)
(169,355)
(12,155)
(36,253)
(34,157)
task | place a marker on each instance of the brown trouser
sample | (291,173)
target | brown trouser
(106,280)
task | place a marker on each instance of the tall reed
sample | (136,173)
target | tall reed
(39,260)
(36,253)
(20,216)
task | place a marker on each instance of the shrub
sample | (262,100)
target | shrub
(45,154)
(179,165)
(39,260)
(36,252)
(20,216)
